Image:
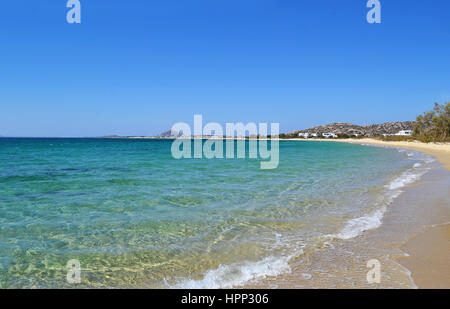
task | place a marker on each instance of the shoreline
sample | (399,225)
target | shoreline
(410,243)
(440,151)
(428,252)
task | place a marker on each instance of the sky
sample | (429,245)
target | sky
(138,67)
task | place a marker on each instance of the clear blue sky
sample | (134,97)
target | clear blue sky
(136,67)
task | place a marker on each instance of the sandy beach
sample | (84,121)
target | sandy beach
(428,252)
(429,255)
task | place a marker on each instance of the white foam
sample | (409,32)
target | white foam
(429,159)
(228,276)
(406,178)
(306,276)
(357,226)
(373,220)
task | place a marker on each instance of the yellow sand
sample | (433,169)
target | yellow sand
(429,260)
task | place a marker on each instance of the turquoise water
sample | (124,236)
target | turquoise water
(135,217)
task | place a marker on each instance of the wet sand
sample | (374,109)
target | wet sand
(429,260)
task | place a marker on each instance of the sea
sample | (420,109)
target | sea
(135,217)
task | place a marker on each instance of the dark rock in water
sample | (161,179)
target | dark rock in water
(353,129)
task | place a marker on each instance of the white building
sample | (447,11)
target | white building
(329,135)
(305,135)
(404,133)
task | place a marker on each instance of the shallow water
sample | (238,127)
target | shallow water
(135,217)
(342,263)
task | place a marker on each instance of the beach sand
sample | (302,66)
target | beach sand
(429,252)
(429,260)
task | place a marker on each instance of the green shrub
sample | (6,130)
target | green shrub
(433,126)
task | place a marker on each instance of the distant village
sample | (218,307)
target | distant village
(336,130)
(333,135)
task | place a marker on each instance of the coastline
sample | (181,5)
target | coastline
(441,151)
(438,150)
(426,253)
(405,227)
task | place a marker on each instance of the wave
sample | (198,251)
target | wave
(406,178)
(373,220)
(357,226)
(235,275)
(228,276)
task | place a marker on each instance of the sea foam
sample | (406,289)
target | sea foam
(357,226)
(373,220)
(227,276)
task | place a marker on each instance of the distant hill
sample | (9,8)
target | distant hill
(170,133)
(367,130)
(110,136)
